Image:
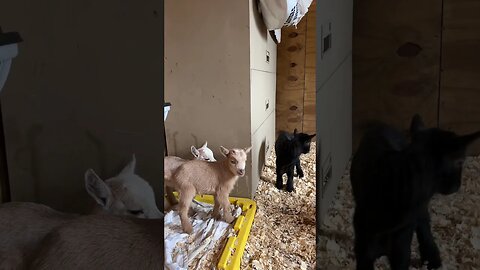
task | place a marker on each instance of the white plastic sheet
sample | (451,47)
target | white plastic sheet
(182,249)
(279,13)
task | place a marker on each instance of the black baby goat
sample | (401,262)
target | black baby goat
(288,148)
(393,181)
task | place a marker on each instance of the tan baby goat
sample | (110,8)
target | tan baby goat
(214,178)
(172,163)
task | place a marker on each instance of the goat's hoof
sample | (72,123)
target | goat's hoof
(279,186)
(229,219)
(187,228)
(300,175)
(432,260)
(434,264)
(290,189)
(216,216)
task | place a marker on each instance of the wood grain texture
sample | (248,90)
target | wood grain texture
(309,113)
(396,62)
(291,78)
(295,99)
(460,80)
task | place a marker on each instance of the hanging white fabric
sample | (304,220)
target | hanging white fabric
(279,13)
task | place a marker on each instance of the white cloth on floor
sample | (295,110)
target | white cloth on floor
(181,249)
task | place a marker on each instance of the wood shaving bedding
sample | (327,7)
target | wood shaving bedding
(455,226)
(283,231)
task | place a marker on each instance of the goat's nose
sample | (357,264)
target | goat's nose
(241,171)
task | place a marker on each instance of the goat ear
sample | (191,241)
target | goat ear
(195,151)
(204,145)
(247,150)
(97,188)
(224,150)
(312,136)
(469,138)
(416,124)
(295,131)
(130,168)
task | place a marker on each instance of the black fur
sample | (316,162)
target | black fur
(288,148)
(393,181)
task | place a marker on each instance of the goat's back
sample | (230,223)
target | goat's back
(171,164)
(285,151)
(204,176)
(103,242)
(23,225)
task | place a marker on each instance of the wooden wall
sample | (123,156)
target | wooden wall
(295,99)
(460,77)
(396,62)
(404,63)
(72,100)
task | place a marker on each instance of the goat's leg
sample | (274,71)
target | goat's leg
(299,169)
(216,208)
(428,249)
(170,197)
(365,260)
(399,256)
(290,179)
(279,183)
(186,196)
(225,204)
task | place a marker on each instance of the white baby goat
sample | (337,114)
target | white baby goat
(125,194)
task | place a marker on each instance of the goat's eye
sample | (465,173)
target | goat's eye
(136,212)
(233,161)
(207,159)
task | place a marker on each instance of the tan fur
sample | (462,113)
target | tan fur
(22,226)
(215,178)
(171,164)
(103,242)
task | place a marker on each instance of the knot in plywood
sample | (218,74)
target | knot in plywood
(409,49)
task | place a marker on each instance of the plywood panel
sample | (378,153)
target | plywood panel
(86,93)
(396,61)
(208,65)
(460,82)
(291,78)
(310,76)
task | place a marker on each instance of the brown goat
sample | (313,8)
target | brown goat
(24,224)
(214,178)
(171,164)
(102,242)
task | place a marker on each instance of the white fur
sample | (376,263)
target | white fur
(124,194)
(203,153)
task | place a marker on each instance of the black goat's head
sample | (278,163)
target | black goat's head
(304,140)
(448,151)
